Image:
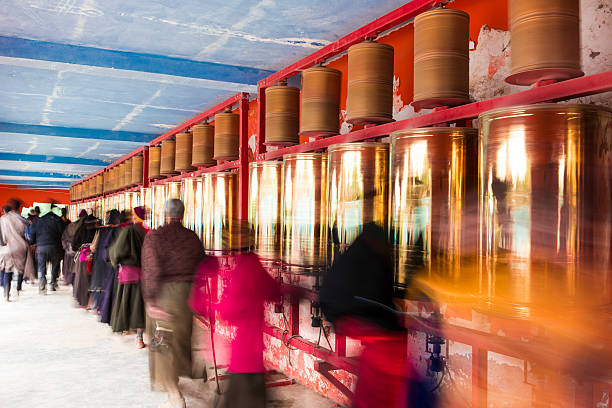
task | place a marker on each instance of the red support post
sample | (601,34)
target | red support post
(145,167)
(243,154)
(480,368)
(260,138)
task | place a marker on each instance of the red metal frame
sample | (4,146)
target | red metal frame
(243,161)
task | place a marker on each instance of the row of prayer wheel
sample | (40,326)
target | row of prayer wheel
(125,175)
(205,145)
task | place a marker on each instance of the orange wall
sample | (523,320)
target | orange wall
(28,196)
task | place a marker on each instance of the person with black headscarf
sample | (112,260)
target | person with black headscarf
(69,251)
(81,242)
(357,297)
(101,269)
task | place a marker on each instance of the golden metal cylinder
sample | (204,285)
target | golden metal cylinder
(158,198)
(433,209)
(121,178)
(320,111)
(545,40)
(546,208)
(282,115)
(192,199)
(146,200)
(265,202)
(173,190)
(357,190)
(184,144)
(99,184)
(227,133)
(219,212)
(203,145)
(304,212)
(441,58)
(154,162)
(168,149)
(370,83)
(137,170)
(127,177)
(131,199)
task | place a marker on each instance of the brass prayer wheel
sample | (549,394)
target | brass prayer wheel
(265,203)
(184,144)
(121,176)
(282,115)
(546,209)
(137,170)
(154,162)
(320,112)
(173,190)
(158,198)
(433,208)
(545,40)
(192,199)
(219,212)
(127,182)
(99,185)
(441,58)
(357,190)
(304,212)
(203,145)
(168,150)
(146,200)
(370,83)
(227,133)
(131,199)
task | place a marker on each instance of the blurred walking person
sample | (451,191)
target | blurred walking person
(14,250)
(170,256)
(46,234)
(103,273)
(242,306)
(69,250)
(357,297)
(128,311)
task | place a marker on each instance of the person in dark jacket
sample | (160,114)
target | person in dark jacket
(357,297)
(47,236)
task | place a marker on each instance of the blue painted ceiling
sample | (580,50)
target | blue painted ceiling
(83,82)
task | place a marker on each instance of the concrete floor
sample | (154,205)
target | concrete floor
(53,354)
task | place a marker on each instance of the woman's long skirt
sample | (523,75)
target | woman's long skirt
(68,269)
(108,296)
(81,284)
(128,308)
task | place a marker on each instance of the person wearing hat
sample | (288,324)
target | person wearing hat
(81,243)
(69,250)
(170,257)
(128,311)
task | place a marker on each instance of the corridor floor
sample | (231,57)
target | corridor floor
(54,355)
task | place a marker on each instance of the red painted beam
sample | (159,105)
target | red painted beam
(145,167)
(586,85)
(324,368)
(341,363)
(200,118)
(372,29)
